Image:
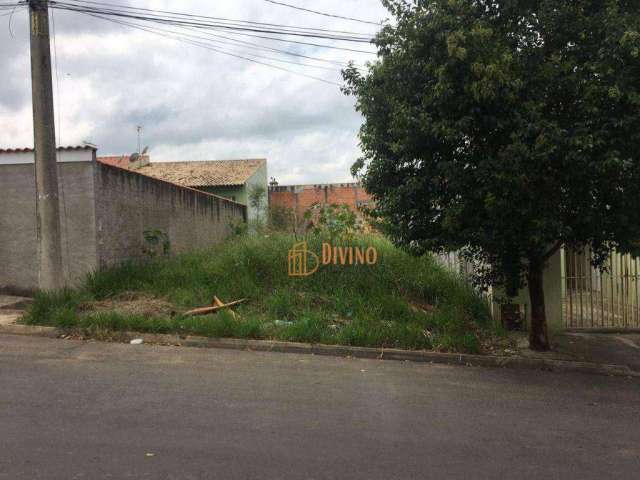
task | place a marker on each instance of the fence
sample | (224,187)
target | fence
(600,299)
(590,298)
(453,262)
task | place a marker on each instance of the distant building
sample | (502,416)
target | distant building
(232,179)
(301,197)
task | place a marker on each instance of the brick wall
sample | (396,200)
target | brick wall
(301,197)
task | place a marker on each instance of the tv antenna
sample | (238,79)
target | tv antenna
(139,129)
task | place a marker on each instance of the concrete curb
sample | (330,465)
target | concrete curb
(603,330)
(516,362)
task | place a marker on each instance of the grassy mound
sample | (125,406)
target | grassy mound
(401,301)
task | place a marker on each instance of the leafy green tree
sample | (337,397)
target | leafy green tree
(505,128)
(337,222)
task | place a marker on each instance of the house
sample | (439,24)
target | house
(105,211)
(232,179)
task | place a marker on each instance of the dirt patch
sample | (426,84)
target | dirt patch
(499,345)
(132,304)
(8,317)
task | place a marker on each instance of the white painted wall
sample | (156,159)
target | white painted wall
(64,156)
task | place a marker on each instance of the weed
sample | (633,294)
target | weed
(362,305)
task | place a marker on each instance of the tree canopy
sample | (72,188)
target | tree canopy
(505,128)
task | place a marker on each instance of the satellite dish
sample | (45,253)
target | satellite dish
(134,157)
(145,150)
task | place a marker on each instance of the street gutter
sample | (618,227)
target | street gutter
(514,361)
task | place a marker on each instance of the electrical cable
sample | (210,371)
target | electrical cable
(295,7)
(216,27)
(227,53)
(190,15)
(217,24)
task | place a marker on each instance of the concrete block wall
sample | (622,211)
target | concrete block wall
(18,229)
(104,212)
(129,203)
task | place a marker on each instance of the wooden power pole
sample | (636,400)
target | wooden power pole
(47,203)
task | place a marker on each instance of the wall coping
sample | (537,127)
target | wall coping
(175,185)
(26,156)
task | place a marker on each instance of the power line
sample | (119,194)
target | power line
(241,43)
(13,10)
(176,19)
(232,30)
(295,7)
(299,42)
(200,34)
(202,41)
(264,47)
(220,51)
(11,5)
(190,15)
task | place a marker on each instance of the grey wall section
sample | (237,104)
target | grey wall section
(18,238)
(128,203)
(104,212)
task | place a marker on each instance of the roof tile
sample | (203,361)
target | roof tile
(204,173)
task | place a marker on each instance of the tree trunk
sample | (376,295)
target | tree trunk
(538,336)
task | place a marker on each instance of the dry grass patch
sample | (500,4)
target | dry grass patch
(131,303)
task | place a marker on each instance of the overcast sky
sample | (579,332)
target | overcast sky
(194,104)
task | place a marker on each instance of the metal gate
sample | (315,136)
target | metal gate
(600,299)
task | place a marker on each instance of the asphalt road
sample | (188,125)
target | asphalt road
(76,410)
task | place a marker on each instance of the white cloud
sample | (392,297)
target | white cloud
(194,103)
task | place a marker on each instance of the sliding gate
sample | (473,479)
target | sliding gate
(600,299)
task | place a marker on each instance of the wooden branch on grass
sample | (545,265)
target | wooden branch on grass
(218,305)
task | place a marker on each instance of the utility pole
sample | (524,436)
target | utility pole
(46,168)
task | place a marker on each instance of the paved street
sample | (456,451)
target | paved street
(77,410)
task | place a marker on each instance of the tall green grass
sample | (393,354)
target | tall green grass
(364,305)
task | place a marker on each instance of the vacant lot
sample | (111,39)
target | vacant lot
(401,301)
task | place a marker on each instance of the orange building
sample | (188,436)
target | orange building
(300,198)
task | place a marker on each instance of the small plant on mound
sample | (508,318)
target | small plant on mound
(401,301)
(156,242)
